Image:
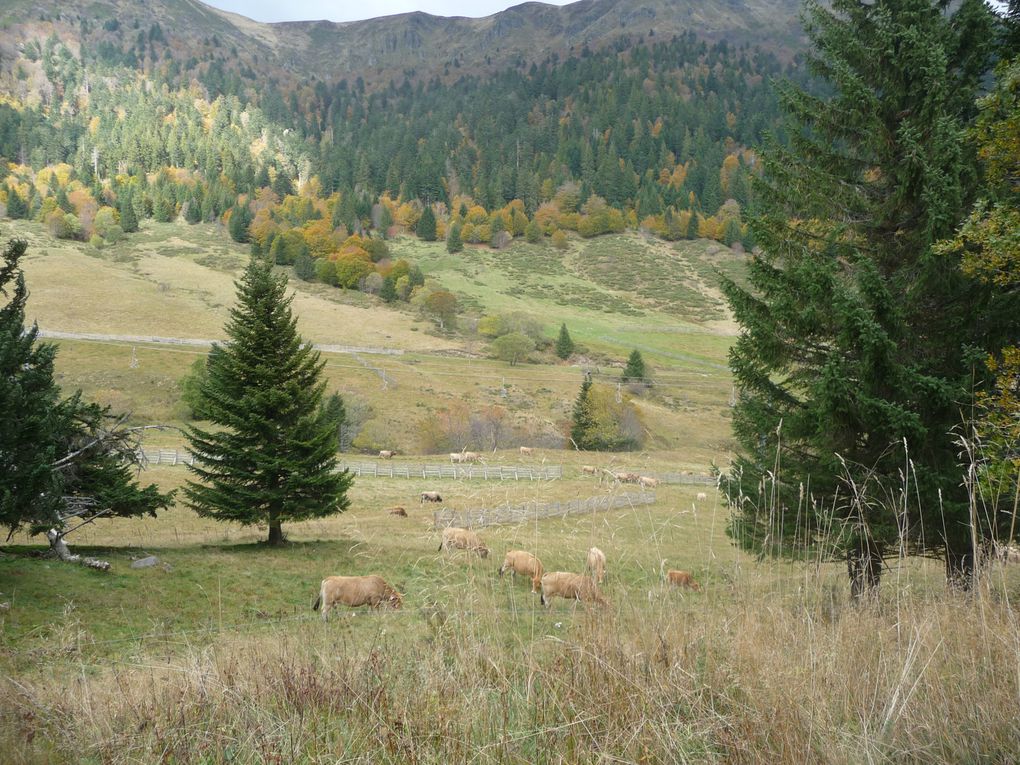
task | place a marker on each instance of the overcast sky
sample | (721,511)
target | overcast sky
(345,10)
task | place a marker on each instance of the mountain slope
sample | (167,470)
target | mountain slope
(378,49)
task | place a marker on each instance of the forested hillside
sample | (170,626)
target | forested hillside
(108,120)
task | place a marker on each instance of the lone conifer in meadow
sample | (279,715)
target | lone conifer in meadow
(564,344)
(635,370)
(858,337)
(274,458)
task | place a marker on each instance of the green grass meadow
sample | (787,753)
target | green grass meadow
(215,655)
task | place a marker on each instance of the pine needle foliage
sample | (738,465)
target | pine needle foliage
(273,457)
(857,344)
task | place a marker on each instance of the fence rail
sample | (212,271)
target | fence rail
(398,469)
(673,478)
(484,472)
(530,511)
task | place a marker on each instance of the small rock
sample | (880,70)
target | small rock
(148,562)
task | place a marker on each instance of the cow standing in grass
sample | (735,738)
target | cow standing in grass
(354,591)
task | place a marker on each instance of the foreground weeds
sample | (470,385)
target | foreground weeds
(746,675)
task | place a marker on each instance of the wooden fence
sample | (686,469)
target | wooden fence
(689,479)
(530,511)
(399,469)
(484,472)
(166,457)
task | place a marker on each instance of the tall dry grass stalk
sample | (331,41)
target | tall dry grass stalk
(748,673)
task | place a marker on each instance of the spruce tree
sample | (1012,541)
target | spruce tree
(388,292)
(240,219)
(692,225)
(128,219)
(58,456)
(16,206)
(274,457)
(635,369)
(583,424)
(426,227)
(857,337)
(564,344)
(454,243)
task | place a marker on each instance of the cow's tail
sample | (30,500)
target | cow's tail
(318,602)
(440,547)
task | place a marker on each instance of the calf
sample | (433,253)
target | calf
(521,562)
(354,591)
(682,579)
(561,584)
(463,539)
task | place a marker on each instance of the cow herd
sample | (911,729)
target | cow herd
(374,591)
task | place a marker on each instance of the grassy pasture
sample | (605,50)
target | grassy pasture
(217,657)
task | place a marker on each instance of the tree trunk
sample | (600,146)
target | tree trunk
(960,568)
(275,532)
(59,548)
(864,567)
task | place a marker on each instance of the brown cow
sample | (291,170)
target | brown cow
(588,470)
(647,482)
(561,584)
(354,591)
(522,562)
(682,579)
(398,511)
(455,538)
(626,477)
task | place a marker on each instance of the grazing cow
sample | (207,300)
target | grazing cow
(650,483)
(430,496)
(354,591)
(387,454)
(521,562)
(702,496)
(626,477)
(456,457)
(561,584)
(526,451)
(472,457)
(455,538)
(596,564)
(588,470)
(682,579)
(398,511)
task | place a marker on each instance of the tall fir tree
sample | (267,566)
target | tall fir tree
(564,343)
(240,219)
(857,337)
(274,458)
(59,457)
